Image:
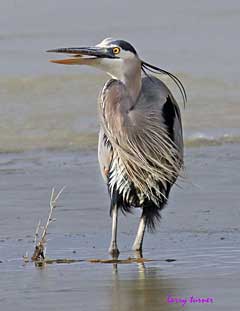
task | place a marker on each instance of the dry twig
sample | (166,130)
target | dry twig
(40,244)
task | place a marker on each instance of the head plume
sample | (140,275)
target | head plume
(148,67)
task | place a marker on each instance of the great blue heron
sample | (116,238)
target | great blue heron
(140,146)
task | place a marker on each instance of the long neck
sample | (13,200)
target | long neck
(129,72)
(133,81)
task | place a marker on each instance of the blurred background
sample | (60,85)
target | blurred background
(49,112)
(46,106)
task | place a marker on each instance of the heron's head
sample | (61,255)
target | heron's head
(116,57)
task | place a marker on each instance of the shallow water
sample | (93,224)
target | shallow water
(199,230)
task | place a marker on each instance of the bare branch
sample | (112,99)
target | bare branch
(40,246)
(59,193)
(37,231)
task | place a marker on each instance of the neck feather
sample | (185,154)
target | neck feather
(133,82)
(128,71)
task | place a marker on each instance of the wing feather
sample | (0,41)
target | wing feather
(105,154)
(139,135)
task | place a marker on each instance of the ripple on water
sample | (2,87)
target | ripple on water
(197,262)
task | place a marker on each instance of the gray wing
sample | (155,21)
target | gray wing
(158,94)
(105,154)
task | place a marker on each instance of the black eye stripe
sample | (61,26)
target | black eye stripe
(125,46)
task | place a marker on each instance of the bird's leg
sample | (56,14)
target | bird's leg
(138,255)
(113,249)
(137,245)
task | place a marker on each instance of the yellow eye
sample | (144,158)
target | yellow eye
(116,50)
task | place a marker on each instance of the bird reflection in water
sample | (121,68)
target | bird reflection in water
(142,288)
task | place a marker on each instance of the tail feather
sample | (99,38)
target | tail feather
(151,212)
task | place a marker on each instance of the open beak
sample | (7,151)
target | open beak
(80,56)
